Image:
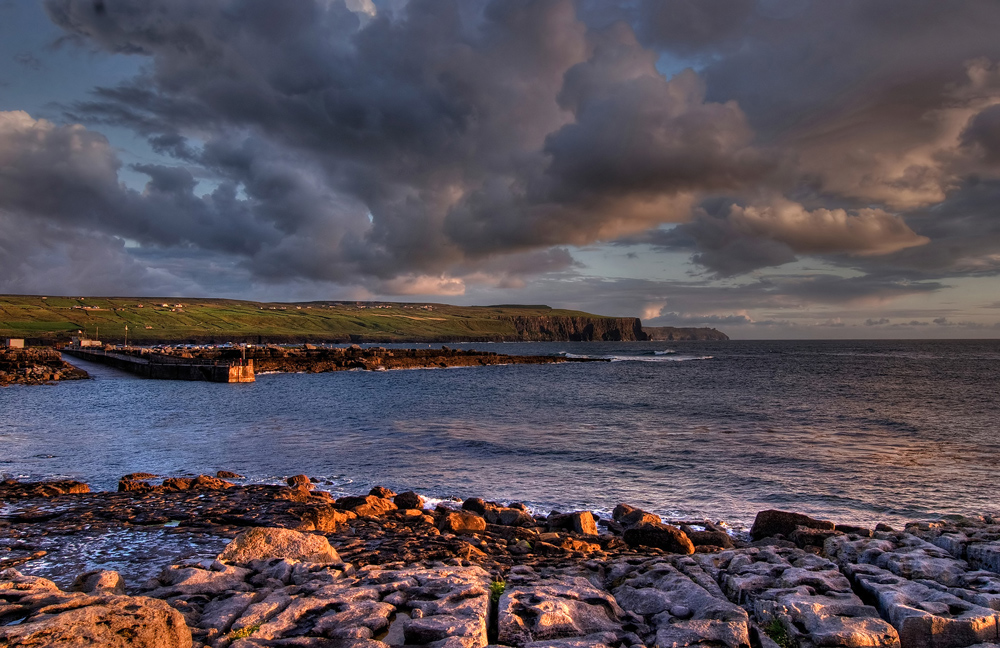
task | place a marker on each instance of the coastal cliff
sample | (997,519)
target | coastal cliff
(673,334)
(555,328)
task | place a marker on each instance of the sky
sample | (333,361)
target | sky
(771,168)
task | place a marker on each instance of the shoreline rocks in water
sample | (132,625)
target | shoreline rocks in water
(35,366)
(208,562)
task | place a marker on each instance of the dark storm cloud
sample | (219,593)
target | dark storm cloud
(694,27)
(983,132)
(467,130)
(889,106)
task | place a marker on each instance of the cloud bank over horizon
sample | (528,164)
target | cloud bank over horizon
(773,167)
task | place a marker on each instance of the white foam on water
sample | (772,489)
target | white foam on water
(660,356)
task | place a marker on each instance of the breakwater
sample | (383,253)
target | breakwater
(162,367)
(311,359)
(35,366)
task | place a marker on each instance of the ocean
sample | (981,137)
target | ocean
(856,431)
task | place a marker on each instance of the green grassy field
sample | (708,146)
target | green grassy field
(50,319)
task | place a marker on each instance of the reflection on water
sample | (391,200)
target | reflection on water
(855,431)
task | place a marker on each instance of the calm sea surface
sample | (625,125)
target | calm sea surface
(852,431)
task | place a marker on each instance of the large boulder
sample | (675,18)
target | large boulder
(99,581)
(408,500)
(325,519)
(299,481)
(659,536)
(629,516)
(477,505)
(509,516)
(368,506)
(383,492)
(175,483)
(50,617)
(771,523)
(264,543)
(582,522)
(462,523)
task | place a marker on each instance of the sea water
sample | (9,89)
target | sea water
(859,431)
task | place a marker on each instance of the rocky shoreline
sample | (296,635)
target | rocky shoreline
(204,561)
(35,366)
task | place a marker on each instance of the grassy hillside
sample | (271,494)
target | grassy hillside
(48,319)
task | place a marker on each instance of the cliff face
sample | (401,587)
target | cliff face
(670,333)
(544,328)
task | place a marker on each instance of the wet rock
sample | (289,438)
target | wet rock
(807,537)
(408,500)
(582,522)
(46,616)
(660,536)
(461,523)
(771,523)
(509,516)
(708,538)
(227,474)
(477,505)
(299,481)
(849,529)
(262,543)
(629,516)
(99,581)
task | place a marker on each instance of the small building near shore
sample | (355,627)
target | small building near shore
(84,342)
(12,343)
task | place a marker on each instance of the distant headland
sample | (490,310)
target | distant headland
(43,320)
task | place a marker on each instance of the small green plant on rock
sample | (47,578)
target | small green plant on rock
(497,588)
(776,631)
(244,633)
